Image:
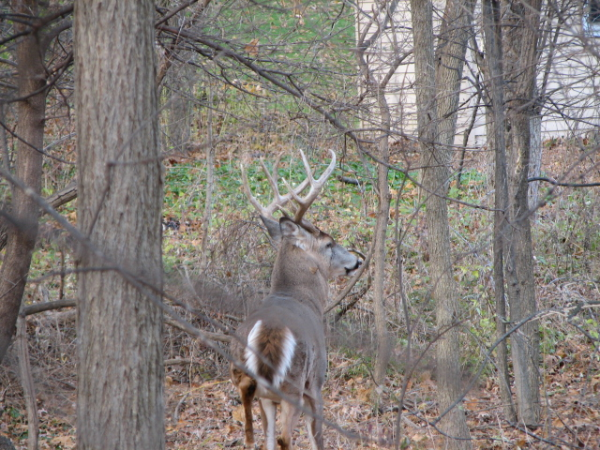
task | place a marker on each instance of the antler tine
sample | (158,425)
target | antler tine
(261,209)
(315,186)
(279,201)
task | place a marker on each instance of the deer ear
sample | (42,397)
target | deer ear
(291,230)
(274,230)
(288,227)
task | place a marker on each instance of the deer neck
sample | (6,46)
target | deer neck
(298,275)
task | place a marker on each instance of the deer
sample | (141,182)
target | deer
(281,344)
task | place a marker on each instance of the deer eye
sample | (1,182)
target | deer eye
(329,245)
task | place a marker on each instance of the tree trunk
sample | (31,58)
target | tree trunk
(30,131)
(376,77)
(120,393)
(450,61)
(33,421)
(384,347)
(210,181)
(535,165)
(180,108)
(521,62)
(435,163)
(494,85)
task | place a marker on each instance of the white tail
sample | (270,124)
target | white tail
(285,340)
(275,375)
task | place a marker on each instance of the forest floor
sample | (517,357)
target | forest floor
(207,414)
(202,408)
(571,413)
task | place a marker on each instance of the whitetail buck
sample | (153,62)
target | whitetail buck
(282,343)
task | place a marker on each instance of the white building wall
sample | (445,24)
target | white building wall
(571,84)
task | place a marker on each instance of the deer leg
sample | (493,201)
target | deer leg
(247,390)
(268,410)
(314,425)
(289,418)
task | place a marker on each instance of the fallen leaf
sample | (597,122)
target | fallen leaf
(252,47)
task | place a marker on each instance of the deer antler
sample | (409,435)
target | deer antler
(315,186)
(279,200)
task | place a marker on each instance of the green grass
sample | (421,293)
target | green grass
(311,44)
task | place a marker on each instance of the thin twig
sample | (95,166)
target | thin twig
(559,183)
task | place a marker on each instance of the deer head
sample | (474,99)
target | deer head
(282,343)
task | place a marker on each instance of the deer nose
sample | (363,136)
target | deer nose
(356,266)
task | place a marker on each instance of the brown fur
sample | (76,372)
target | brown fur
(269,346)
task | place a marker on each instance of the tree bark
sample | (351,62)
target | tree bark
(30,131)
(33,421)
(210,181)
(450,61)
(179,106)
(179,87)
(120,391)
(384,347)
(537,150)
(521,61)
(435,162)
(493,50)
(376,81)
